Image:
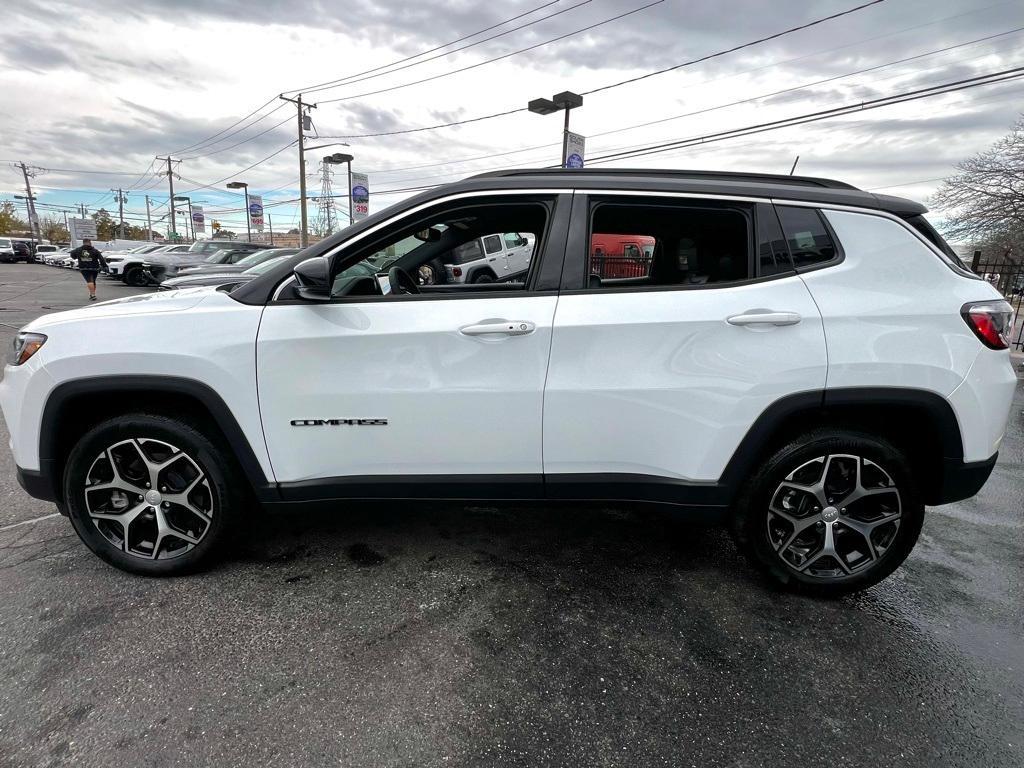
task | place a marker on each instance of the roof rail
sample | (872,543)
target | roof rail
(760,178)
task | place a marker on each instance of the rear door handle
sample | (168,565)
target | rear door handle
(499,327)
(764,318)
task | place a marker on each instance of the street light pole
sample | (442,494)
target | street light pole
(336,159)
(566,100)
(248,223)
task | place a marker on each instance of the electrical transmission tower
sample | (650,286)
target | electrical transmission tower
(326,217)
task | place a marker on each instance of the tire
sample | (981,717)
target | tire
(169,536)
(482,277)
(845,488)
(135,277)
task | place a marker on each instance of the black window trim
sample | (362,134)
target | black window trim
(822,207)
(579,237)
(840,256)
(542,280)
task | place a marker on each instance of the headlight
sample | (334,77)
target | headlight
(25,345)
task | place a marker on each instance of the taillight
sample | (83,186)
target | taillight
(991,322)
(457,271)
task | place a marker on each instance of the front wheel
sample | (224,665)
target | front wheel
(135,277)
(151,494)
(830,513)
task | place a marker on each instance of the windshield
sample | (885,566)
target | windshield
(266,266)
(5,242)
(258,257)
(213,258)
(202,246)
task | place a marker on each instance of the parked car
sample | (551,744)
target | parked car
(7,255)
(220,279)
(54,258)
(45,249)
(818,368)
(496,257)
(209,246)
(242,265)
(163,266)
(128,266)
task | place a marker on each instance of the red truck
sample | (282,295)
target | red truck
(621,255)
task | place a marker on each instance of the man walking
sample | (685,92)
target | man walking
(89,262)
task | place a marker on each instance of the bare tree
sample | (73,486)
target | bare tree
(984,202)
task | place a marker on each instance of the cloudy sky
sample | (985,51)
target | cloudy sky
(92,92)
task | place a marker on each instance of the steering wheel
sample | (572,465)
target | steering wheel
(401,281)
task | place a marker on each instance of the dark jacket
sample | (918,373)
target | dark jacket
(89,259)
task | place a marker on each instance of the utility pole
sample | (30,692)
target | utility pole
(170,181)
(121,200)
(270,223)
(149,222)
(81,208)
(33,219)
(303,229)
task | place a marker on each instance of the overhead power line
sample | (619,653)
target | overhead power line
(240,143)
(923,93)
(225,130)
(374,73)
(228,132)
(690,62)
(705,110)
(478,64)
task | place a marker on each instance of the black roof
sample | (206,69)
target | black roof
(749,185)
(762,178)
(768,185)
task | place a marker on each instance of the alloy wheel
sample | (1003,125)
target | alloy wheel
(834,516)
(149,498)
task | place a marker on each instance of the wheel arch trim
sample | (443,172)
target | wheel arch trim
(833,402)
(49,435)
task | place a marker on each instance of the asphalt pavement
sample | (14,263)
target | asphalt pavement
(429,634)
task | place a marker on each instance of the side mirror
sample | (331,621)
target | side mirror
(313,279)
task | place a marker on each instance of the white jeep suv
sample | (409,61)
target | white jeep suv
(801,360)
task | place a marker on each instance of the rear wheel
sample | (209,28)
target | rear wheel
(150,494)
(830,513)
(482,277)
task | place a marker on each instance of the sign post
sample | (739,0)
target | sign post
(360,196)
(574,147)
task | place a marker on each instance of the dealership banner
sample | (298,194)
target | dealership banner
(574,151)
(256,212)
(360,199)
(198,219)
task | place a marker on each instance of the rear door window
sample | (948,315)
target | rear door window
(492,244)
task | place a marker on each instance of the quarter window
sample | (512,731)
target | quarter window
(809,240)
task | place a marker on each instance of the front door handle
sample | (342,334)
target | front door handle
(499,327)
(764,318)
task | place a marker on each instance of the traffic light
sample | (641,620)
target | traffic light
(216,226)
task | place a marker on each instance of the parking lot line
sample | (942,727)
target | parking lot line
(29,522)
